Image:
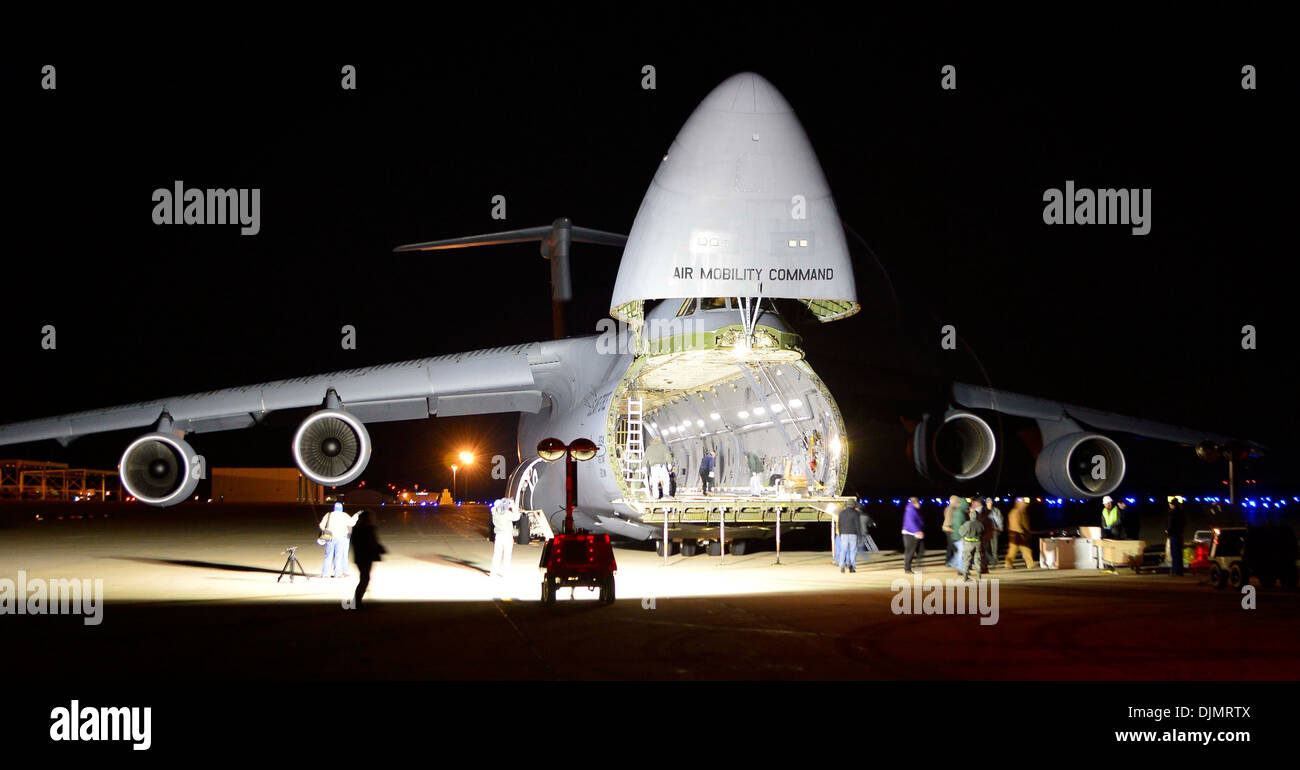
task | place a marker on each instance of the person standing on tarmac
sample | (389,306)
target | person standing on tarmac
(1018,534)
(504,515)
(366,550)
(848,541)
(1177,522)
(1129,521)
(1110,519)
(339,525)
(972,532)
(913,534)
(951,553)
(959,517)
(995,525)
(866,543)
(986,537)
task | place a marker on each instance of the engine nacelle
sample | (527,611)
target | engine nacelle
(960,448)
(160,469)
(331,447)
(1080,464)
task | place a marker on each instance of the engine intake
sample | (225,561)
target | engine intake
(331,447)
(160,469)
(962,447)
(1083,464)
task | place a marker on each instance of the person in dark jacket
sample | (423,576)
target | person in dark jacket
(707,463)
(959,517)
(366,550)
(848,540)
(972,535)
(1177,522)
(996,523)
(913,534)
(986,537)
(951,555)
(1129,521)
(866,543)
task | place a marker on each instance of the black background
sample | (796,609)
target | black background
(545,107)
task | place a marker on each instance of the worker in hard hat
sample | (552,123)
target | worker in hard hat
(1110,519)
(504,515)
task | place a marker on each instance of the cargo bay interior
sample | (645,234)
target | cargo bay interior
(725,375)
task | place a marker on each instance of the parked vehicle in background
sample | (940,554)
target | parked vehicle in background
(1267,552)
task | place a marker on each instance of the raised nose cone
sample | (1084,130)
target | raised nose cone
(738,207)
(746,92)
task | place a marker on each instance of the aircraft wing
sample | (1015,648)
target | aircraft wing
(505,379)
(1048,412)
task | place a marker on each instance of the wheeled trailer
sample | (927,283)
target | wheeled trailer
(579,560)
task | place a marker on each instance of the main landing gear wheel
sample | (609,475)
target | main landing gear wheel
(659,548)
(689,547)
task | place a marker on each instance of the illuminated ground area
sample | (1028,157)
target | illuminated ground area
(194,595)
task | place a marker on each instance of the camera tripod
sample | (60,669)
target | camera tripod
(290,563)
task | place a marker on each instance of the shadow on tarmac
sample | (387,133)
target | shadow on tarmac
(201,564)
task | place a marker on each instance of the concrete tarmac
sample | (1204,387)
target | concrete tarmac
(194,595)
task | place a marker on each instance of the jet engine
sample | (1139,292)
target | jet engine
(1083,464)
(961,447)
(331,447)
(160,469)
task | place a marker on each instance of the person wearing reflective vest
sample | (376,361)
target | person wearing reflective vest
(1110,518)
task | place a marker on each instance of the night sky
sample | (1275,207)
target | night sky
(548,110)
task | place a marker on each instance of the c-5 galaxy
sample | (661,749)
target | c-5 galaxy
(695,357)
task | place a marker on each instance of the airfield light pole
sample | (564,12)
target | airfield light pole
(454,468)
(466,459)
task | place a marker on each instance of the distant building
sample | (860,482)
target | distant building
(355,496)
(264,485)
(39,480)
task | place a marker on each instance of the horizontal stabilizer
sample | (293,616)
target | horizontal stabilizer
(550,235)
